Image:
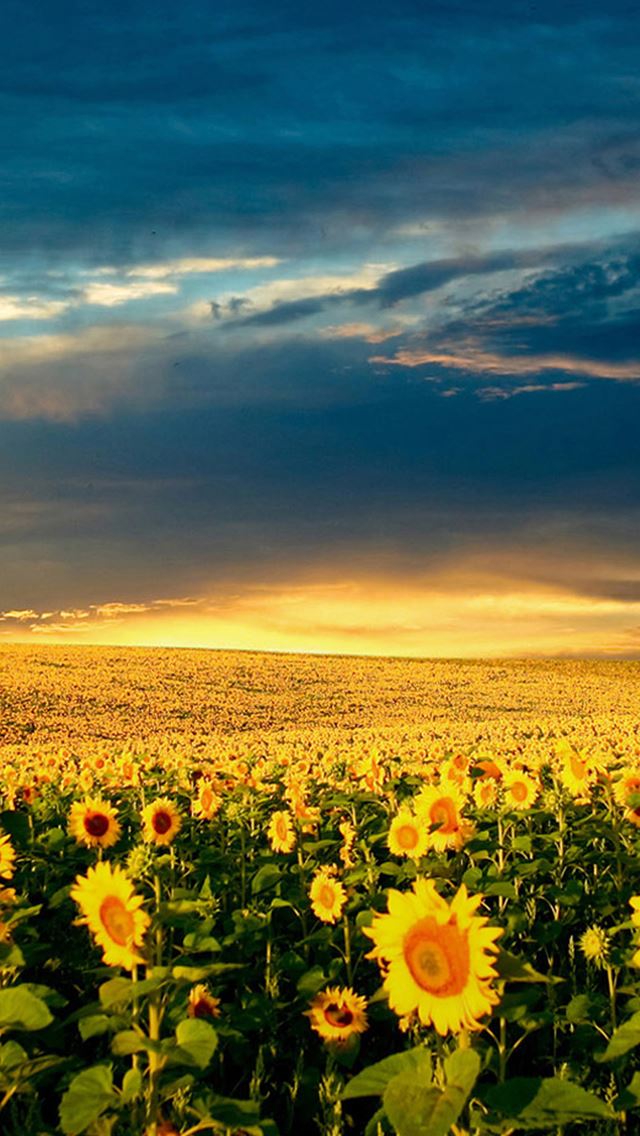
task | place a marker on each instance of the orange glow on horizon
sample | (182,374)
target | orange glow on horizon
(357,617)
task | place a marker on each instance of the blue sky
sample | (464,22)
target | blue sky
(318,326)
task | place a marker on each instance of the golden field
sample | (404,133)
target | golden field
(86,696)
(272,895)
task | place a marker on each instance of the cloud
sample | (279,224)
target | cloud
(30,308)
(112,295)
(474,360)
(196,265)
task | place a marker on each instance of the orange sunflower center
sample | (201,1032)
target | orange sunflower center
(116,920)
(327,896)
(206,799)
(282,829)
(437,956)
(407,836)
(96,824)
(162,822)
(337,1015)
(578,768)
(519,791)
(443,813)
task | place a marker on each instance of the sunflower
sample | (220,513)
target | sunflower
(327,895)
(281,832)
(202,1004)
(7,857)
(520,790)
(624,790)
(438,958)
(408,836)
(576,775)
(206,802)
(348,834)
(337,1014)
(485,792)
(161,821)
(438,808)
(94,823)
(112,912)
(594,944)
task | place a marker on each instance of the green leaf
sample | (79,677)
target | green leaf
(193,974)
(121,991)
(93,1026)
(89,1095)
(531,1102)
(415,1109)
(626,1037)
(127,1042)
(233,1113)
(197,1042)
(12,1056)
(462,1068)
(266,877)
(513,969)
(311,981)
(131,1085)
(20,1009)
(373,1081)
(115,992)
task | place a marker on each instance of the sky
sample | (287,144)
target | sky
(319,326)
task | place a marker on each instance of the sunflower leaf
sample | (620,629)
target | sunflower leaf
(626,1037)
(533,1102)
(23,1010)
(89,1095)
(373,1081)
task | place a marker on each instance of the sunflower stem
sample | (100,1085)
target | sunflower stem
(347,950)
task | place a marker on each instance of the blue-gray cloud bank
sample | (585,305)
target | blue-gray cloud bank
(291,294)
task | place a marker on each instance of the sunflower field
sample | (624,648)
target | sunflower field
(422,924)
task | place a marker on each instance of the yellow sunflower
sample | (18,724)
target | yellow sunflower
(438,958)
(408,836)
(94,823)
(7,857)
(439,809)
(281,832)
(337,1014)
(348,834)
(206,802)
(202,1004)
(576,774)
(485,792)
(161,821)
(327,895)
(520,790)
(112,912)
(624,789)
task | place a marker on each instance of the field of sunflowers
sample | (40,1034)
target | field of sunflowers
(253,894)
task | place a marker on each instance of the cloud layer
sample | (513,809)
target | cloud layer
(323,321)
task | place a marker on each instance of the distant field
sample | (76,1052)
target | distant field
(84,695)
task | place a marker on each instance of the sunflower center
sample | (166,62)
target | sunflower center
(116,920)
(337,1015)
(437,957)
(443,813)
(96,824)
(206,800)
(519,791)
(161,822)
(578,768)
(281,828)
(327,896)
(407,836)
